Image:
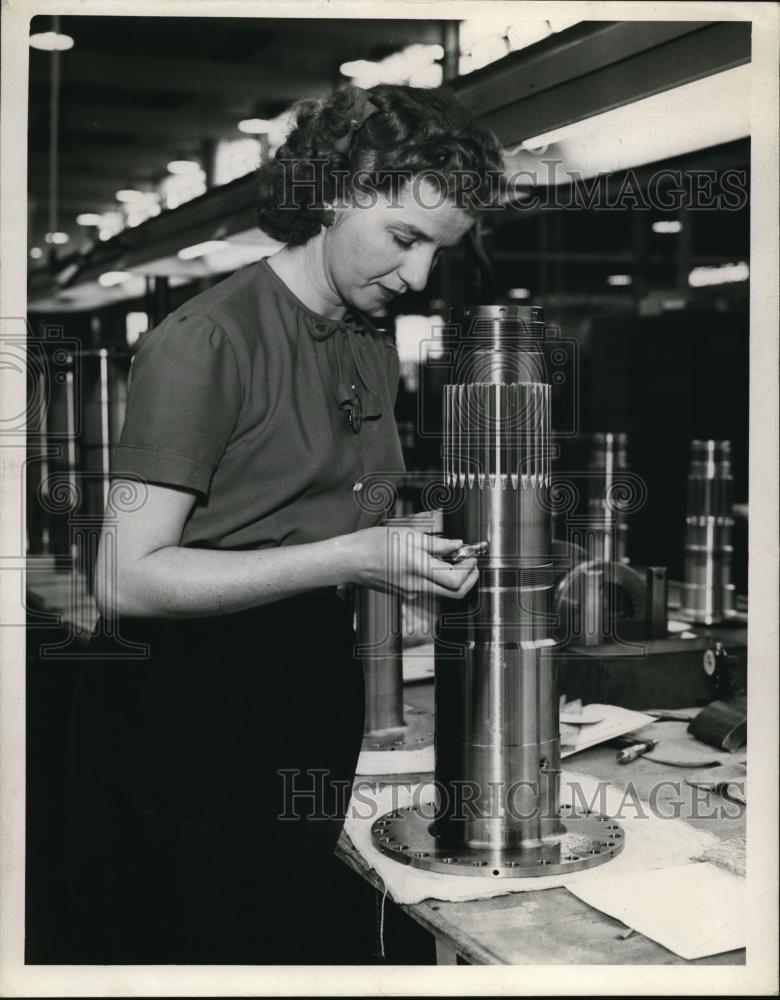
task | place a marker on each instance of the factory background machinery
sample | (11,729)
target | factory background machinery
(639,438)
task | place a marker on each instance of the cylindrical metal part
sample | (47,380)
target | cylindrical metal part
(379,645)
(593,603)
(497,741)
(497,737)
(708,593)
(608,458)
(656,602)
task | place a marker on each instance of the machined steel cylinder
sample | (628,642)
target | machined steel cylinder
(496,700)
(497,774)
(380,647)
(608,458)
(707,592)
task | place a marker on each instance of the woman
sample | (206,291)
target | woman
(216,728)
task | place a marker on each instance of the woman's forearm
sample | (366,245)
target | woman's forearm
(178,582)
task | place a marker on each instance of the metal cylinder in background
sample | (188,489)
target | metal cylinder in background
(379,639)
(707,592)
(608,458)
(389,724)
(497,739)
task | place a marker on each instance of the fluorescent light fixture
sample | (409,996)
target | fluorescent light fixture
(254,126)
(358,67)
(183,167)
(136,323)
(673,305)
(667,226)
(201,249)
(697,115)
(110,278)
(36,253)
(89,219)
(519,293)
(235,158)
(700,277)
(415,65)
(129,194)
(521,34)
(58,238)
(51,41)
(619,280)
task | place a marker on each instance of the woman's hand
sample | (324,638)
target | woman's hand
(400,559)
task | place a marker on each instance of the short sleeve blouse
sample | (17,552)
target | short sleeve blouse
(240,396)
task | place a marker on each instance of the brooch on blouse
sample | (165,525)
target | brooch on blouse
(349,401)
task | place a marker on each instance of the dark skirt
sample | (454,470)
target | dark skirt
(207,786)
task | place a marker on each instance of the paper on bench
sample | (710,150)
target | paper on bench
(693,910)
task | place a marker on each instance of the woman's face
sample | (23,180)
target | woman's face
(373,254)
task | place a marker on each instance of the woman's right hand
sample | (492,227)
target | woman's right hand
(400,559)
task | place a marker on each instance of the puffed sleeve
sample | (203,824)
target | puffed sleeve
(183,402)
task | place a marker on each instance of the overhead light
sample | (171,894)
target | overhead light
(358,67)
(618,280)
(416,65)
(698,115)
(725,274)
(110,278)
(183,167)
(57,238)
(521,34)
(36,253)
(519,293)
(254,126)
(201,249)
(673,305)
(129,194)
(667,226)
(51,41)
(89,219)
(136,323)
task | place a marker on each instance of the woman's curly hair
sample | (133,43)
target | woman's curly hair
(413,132)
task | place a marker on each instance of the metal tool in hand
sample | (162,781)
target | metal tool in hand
(468,551)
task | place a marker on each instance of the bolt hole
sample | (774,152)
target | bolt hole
(496,871)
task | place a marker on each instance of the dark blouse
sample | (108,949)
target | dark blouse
(243,395)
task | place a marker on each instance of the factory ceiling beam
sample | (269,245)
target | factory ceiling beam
(172,124)
(592,68)
(166,73)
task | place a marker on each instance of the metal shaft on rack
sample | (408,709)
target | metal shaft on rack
(708,593)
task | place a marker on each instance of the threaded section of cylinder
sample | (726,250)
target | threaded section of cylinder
(497,434)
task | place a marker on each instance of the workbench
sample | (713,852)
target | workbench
(550,926)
